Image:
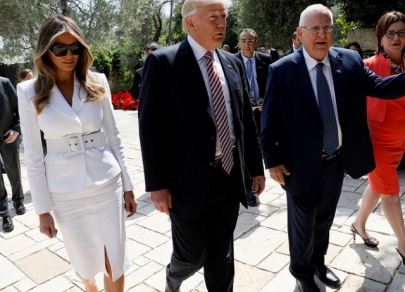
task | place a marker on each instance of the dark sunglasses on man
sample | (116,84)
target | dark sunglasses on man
(62,50)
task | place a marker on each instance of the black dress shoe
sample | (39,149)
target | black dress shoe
(329,278)
(251,199)
(8,225)
(307,287)
(19,208)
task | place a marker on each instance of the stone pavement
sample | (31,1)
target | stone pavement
(31,262)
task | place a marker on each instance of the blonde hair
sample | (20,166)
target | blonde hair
(190,8)
(50,30)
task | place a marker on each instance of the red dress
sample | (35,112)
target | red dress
(386,120)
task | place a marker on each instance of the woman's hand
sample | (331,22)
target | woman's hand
(47,225)
(130,203)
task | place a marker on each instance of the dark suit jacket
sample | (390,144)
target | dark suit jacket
(178,133)
(137,83)
(9,116)
(291,123)
(262,69)
(273,54)
(290,51)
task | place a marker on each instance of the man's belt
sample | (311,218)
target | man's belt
(326,157)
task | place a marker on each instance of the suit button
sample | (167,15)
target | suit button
(212,138)
(211,163)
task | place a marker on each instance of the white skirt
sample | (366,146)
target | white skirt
(91,220)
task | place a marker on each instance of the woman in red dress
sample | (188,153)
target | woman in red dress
(386,120)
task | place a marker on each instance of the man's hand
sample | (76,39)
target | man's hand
(11,136)
(258,184)
(277,173)
(162,200)
(47,225)
(130,203)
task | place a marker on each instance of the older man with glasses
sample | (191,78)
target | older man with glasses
(314,128)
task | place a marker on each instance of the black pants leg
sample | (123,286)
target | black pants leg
(208,240)
(11,159)
(310,216)
(3,199)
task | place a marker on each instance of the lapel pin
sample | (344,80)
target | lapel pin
(338,71)
(229,66)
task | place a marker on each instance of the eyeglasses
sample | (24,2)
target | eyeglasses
(317,29)
(391,34)
(249,42)
(62,50)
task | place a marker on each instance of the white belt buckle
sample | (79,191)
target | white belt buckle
(75,144)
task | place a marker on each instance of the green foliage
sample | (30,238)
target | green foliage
(344,27)
(273,20)
(103,61)
(367,12)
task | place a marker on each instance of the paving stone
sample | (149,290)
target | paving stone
(161,254)
(25,284)
(374,263)
(142,288)
(141,261)
(350,200)
(29,219)
(267,197)
(148,209)
(9,273)
(284,248)
(18,229)
(146,236)
(142,274)
(341,216)
(158,222)
(43,266)
(398,284)
(248,278)
(56,246)
(10,289)
(375,223)
(260,209)
(282,282)
(62,253)
(55,285)
(339,238)
(277,220)
(279,203)
(275,262)
(158,281)
(360,284)
(31,249)
(246,221)
(333,251)
(263,239)
(136,249)
(15,244)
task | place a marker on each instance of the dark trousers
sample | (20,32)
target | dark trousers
(310,217)
(11,160)
(208,240)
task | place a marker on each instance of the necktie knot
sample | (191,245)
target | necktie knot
(208,55)
(319,66)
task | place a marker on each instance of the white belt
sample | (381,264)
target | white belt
(75,143)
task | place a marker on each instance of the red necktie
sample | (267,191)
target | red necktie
(221,117)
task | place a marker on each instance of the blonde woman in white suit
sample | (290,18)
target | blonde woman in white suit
(84,182)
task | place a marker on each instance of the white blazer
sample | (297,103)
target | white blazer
(60,172)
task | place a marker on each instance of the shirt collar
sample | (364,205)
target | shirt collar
(251,58)
(198,50)
(311,62)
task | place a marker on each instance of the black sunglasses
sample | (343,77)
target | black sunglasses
(62,50)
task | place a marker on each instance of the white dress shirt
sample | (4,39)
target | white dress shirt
(311,65)
(199,53)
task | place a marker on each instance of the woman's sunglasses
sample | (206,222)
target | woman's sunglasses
(62,50)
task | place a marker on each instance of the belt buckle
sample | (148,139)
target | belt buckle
(75,144)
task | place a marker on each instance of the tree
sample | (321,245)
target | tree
(366,12)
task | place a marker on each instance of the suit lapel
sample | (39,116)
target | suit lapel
(231,80)
(337,70)
(58,102)
(301,74)
(79,96)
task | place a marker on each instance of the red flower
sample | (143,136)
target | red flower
(124,100)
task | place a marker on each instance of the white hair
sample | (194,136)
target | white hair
(318,7)
(190,8)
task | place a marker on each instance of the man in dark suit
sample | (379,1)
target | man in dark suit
(314,127)
(296,44)
(9,144)
(199,145)
(256,67)
(136,85)
(274,54)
